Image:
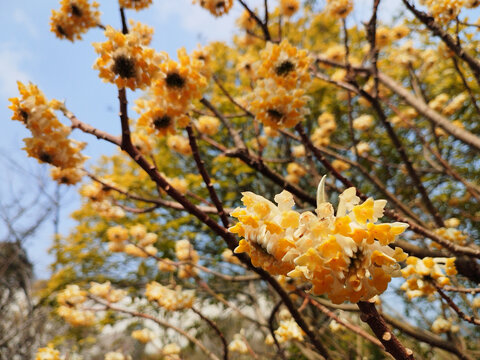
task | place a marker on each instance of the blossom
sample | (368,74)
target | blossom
(344,255)
(363,122)
(76,317)
(298,151)
(246,21)
(276,106)
(50,143)
(143,335)
(288,330)
(423,274)
(228,256)
(216,7)
(289,7)
(160,116)
(47,353)
(340,165)
(442,325)
(74,18)
(117,234)
(179,144)
(238,345)
(135,4)
(339,8)
(169,299)
(68,176)
(125,61)
(208,125)
(285,64)
(115,355)
(71,296)
(444,10)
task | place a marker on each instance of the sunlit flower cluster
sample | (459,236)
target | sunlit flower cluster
(451,234)
(289,7)
(326,126)
(115,355)
(208,125)
(47,353)
(135,4)
(288,330)
(455,104)
(169,299)
(50,143)
(363,122)
(171,352)
(184,251)
(143,335)
(442,325)
(179,144)
(422,274)
(276,106)
(246,21)
(140,241)
(238,345)
(105,291)
(216,7)
(444,10)
(279,98)
(339,8)
(344,255)
(228,256)
(74,18)
(69,299)
(125,61)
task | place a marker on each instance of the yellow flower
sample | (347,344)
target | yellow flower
(339,8)
(71,296)
(345,255)
(289,7)
(285,64)
(276,106)
(160,116)
(340,165)
(117,234)
(298,151)
(68,176)
(135,4)
(287,330)
(444,10)
(363,122)
(216,7)
(169,299)
(100,290)
(208,125)
(125,61)
(143,32)
(50,143)
(238,345)
(246,21)
(74,18)
(47,353)
(421,274)
(143,335)
(179,144)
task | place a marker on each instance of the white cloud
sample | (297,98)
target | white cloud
(196,20)
(10,60)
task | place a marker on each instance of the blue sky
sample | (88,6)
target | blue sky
(63,70)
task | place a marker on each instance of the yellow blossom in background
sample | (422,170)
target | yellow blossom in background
(179,144)
(115,355)
(125,61)
(444,10)
(345,255)
(47,353)
(439,102)
(117,234)
(68,176)
(399,32)
(451,234)
(143,335)
(276,106)
(339,8)
(421,274)
(216,7)
(442,325)
(100,290)
(169,299)
(340,165)
(289,7)
(74,18)
(238,345)
(288,330)
(208,125)
(246,21)
(295,169)
(171,352)
(71,296)
(228,256)
(298,151)
(455,104)
(143,32)
(50,143)
(363,122)
(142,142)
(134,4)
(76,317)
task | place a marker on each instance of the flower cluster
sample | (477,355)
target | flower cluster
(344,255)
(69,299)
(106,292)
(171,352)
(444,10)
(115,355)
(141,241)
(442,325)
(363,122)
(171,95)
(287,330)
(125,61)
(135,4)
(47,353)
(169,299)
(279,98)
(451,234)
(238,345)
(423,274)
(326,126)
(74,18)
(143,335)
(185,252)
(50,143)
(339,8)
(208,125)
(289,7)
(216,7)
